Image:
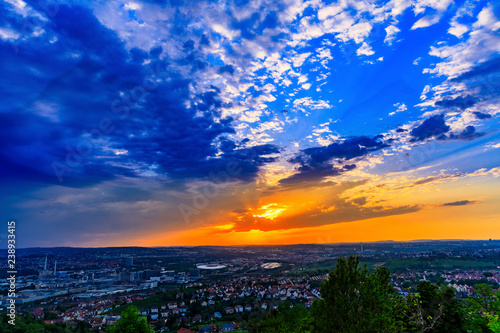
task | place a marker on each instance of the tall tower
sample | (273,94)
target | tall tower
(361,247)
(55,267)
(45,267)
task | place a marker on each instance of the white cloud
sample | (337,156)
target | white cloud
(391,33)
(457,29)
(439,6)
(400,108)
(329,11)
(302,79)
(9,34)
(325,53)
(481,43)
(310,103)
(132,6)
(426,21)
(299,59)
(493,145)
(423,95)
(365,49)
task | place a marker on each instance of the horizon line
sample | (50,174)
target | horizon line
(254,245)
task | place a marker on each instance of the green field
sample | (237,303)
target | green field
(439,264)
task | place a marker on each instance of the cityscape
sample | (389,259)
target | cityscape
(256,166)
(195,287)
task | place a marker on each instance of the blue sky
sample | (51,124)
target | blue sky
(117,115)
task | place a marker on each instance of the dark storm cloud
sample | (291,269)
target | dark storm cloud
(480,115)
(307,174)
(485,76)
(226,69)
(459,203)
(434,126)
(315,163)
(88,76)
(458,102)
(469,133)
(491,66)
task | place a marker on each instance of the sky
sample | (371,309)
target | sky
(180,123)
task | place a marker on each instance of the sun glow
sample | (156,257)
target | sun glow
(271,211)
(227,226)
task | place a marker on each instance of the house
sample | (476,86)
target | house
(217,315)
(238,308)
(172,305)
(204,303)
(229,310)
(184,330)
(228,327)
(154,316)
(154,309)
(197,318)
(275,305)
(211,328)
(308,304)
(248,307)
(183,309)
(211,302)
(165,313)
(175,311)
(264,306)
(179,295)
(37,313)
(144,311)
(111,320)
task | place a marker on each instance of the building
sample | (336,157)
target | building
(127,276)
(228,327)
(129,261)
(211,328)
(184,330)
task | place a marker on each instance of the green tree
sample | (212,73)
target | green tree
(483,309)
(355,301)
(434,309)
(284,320)
(130,322)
